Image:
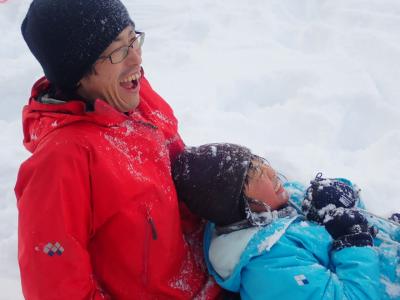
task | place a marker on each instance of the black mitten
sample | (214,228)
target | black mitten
(395,217)
(326,194)
(353,240)
(348,227)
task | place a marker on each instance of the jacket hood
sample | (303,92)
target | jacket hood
(40,119)
(247,244)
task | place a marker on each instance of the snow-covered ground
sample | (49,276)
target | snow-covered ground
(313,85)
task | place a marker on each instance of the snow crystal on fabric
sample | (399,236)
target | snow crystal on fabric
(392,288)
(267,244)
(304,224)
(205,291)
(162,117)
(172,140)
(325,212)
(129,127)
(181,281)
(213,151)
(181,284)
(123,148)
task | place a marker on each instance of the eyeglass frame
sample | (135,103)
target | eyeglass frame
(139,35)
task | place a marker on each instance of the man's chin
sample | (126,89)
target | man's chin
(135,102)
(131,105)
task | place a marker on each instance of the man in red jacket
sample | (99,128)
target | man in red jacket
(98,212)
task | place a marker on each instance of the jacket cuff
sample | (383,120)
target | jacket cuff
(361,239)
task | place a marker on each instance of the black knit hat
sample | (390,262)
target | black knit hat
(210,179)
(68,36)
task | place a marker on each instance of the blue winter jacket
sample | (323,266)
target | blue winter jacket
(292,259)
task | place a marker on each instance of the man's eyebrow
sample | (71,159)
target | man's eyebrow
(119,39)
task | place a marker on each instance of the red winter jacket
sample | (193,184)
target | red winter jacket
(98,211)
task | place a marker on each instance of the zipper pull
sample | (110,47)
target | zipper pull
(153,228)
(152,225)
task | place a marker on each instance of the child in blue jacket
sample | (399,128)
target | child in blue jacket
(263,248)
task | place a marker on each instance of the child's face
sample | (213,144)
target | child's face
(264,185)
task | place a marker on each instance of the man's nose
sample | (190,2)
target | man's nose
(134,56)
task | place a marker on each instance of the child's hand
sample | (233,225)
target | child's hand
(349,228)
(326,194)
(342,221)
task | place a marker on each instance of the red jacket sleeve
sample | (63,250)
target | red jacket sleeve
(53,194)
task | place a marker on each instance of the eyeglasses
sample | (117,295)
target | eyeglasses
(121,53)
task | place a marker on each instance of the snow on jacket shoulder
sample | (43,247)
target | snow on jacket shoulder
(98,212)
(292,259)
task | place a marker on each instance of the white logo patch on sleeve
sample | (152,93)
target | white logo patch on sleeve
(301,279)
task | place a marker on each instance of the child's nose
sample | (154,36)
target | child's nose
(272,175)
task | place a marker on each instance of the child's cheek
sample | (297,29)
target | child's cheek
(263,190)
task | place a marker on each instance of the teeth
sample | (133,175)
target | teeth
(135,76)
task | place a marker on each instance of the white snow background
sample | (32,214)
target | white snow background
(312,85)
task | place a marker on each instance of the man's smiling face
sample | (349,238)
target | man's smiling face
(116,83)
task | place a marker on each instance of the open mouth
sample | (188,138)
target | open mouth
(131,82)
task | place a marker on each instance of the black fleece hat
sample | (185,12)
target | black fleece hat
(210,179)
(68,36)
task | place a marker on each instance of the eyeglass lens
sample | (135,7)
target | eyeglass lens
(121,53)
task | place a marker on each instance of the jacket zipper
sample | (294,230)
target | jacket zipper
(151,232)
(146,124)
